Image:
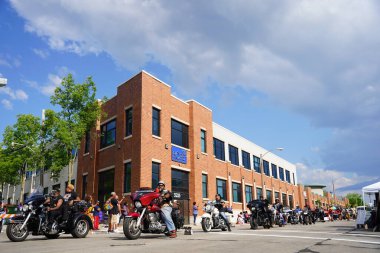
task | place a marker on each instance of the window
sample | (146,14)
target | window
(155,174)
(294,179)
(204,186)
(203,141)
(284,199)
(180,134)
(84,186)
(72,182)
(259,192)
(108,134)
(87,142)
(269,196)
(128,122)
(276,195)
(256,164)
(236,192)
(248,193)
(127,177)
(56,186)
(221,188)
(281,173)
(291,203)
(234,154)
(246,157)
(266,167)
(156,122)
(180,182)
(219,149)
(274,171)
(287,173)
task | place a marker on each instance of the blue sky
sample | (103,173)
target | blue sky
(303,75)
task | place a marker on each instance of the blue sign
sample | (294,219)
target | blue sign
(179,155)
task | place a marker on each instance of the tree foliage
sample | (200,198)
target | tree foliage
(78,112)
(354,199)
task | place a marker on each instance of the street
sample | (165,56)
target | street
(322,237)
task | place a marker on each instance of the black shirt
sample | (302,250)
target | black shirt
(115,209)
(54,201)
(70,196)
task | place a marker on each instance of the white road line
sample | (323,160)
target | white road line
(320,232)
(302,237)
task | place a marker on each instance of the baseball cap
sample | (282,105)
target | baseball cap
(161,182)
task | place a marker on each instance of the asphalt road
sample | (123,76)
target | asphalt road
(321,237)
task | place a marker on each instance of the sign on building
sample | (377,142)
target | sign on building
(179,155)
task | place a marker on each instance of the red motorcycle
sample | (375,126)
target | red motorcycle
(146,218)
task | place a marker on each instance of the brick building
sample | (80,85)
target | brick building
(148,135)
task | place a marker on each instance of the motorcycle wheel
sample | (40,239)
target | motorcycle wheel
(15,234)
(253,223)
(48,236)
(81,229)
(206,224)
(130,229)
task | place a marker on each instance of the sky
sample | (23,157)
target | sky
(302,75)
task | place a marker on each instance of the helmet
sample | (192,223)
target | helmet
(161,182)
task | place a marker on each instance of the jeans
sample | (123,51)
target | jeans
(166,214)
(195,217)
(224,217)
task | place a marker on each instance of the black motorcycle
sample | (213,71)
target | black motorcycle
(293,217)
(260,214)
(33,218)
(307,217)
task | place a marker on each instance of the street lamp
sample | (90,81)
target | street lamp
(3,82)
(262,167)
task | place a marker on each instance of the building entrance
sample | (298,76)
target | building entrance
(180,190)
(105,185)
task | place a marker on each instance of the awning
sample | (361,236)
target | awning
(373,188)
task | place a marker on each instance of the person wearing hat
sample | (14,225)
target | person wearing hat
(166,209)
(220,204)
(69,198)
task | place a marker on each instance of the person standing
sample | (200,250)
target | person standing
(113,213)
(195,212)
(96,213)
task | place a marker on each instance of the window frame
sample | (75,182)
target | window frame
(128,121)
(87,142)
(223,187)
(266,168)
(274,169)
(281,173)
(156,120)
(236,188)
(235,151)
(244,157)
(154,173)
(218,142)
(204,186)
(127,181)
(203,141)
(248,193)
(103,134)
(256,161)
(184,134)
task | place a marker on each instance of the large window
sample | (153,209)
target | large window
(236,192)
(282,176)
(219,149)
(274,171)
(204,186)
(180,134)
(287,174)
(203,141)
(276,195)
(246,157)
(266,167)
(248,193)
(269,196)
(127,177)
(87,142)
(234,154)
(84,186)
(259,192)
(180,182)
(128,122)
(108,134)
(256,164)
(221,188)
(156,122)
(284,199)
(155,174)
(291,202)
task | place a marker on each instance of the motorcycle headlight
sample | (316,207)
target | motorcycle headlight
(208,208)
(138,204)
(25,208)
(253,208)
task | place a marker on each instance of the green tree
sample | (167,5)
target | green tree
(318,203)
(78,112)
(354,199)
(21,151)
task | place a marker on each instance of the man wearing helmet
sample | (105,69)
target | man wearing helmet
(220,204)
(166,208)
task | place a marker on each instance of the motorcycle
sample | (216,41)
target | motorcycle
(33,218)
(211,219)
(260,216)
(146,218)
(278,218)
(306,217)
(293,217)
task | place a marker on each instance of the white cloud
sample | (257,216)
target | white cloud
(317,58)
(41,53)
(7,104)
(14,94)
(53,81)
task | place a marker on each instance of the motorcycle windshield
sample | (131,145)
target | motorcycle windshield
(35,195)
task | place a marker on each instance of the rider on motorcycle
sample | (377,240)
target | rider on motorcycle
(69,198)
(220,204)
(55,202)
(166,209)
